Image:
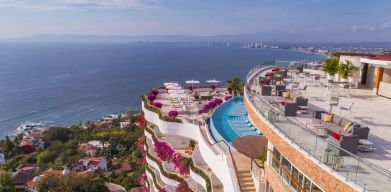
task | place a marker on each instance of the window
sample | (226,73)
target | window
(307,184)
(276,160)
(286,170)
(298,179)
(315,188)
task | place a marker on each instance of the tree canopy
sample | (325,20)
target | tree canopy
(346,69)
(331,65)
(71,183)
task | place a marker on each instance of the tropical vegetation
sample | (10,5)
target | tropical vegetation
(331,66)
(345,69)
(235,86)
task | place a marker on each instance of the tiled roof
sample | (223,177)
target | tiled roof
(381,57)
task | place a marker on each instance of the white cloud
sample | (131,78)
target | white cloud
(362,28)
(56,5)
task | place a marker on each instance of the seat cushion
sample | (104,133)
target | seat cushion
(336,136)
(328,118)
(347,128)
(344,122)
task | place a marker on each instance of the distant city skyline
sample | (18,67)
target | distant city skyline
(266,20)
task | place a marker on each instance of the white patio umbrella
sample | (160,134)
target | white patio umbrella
(173,84)
(192,82)
(213,81)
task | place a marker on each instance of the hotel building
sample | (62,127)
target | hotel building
(257,142)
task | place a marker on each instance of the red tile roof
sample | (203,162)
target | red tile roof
(381,57)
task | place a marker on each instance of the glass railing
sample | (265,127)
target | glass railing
(363,173)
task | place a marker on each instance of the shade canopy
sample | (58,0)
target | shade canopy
(172,84)
(213,81)
(192,81)
(251,145)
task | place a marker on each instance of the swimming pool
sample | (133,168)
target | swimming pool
(229,121)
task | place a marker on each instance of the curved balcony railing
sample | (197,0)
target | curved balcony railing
(364,174)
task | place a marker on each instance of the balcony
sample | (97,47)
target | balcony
(359,173)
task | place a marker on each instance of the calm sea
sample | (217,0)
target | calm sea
(62,84)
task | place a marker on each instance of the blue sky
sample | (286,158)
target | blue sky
(322,19)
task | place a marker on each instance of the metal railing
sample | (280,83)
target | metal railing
(363,173)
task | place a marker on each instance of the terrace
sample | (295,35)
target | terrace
(176,103)
(368,170)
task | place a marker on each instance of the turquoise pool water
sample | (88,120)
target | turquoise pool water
(229,121)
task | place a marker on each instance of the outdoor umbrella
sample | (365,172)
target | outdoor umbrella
(213,81)
(192,82)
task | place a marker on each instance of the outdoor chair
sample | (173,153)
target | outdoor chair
(334,101)
(348,143)
(347,109)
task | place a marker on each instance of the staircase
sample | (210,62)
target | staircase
(246,181)
(243,166)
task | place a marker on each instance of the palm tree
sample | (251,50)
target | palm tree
(331,66)
(346,69)
(235,86)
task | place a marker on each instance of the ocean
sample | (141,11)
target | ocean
(63,84)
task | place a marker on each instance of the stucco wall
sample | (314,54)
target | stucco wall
(356,76)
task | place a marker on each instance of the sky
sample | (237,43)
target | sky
(323,20)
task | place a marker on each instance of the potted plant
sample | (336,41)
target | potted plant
(346,69)
(261,158)
(331,66)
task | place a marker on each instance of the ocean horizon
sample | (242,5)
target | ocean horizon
(64,84)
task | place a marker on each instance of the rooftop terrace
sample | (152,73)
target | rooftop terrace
(367,169)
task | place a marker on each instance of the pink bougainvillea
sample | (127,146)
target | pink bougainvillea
(190,88)
(141,179)
(163,190)
(158,104)
(154,92)
(218,101)
(163,151)
(173,113)
(183,187)
(180,163)
(227,98)
(151,98)
(144,188)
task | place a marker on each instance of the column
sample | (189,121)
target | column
(378,77)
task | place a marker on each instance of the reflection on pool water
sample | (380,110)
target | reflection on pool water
(229,121)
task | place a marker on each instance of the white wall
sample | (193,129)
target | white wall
(217,161)
(355,60)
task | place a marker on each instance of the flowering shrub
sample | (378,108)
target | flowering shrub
(158,104)
(212,87)
(141,179)
(183,187)
(163,151)
(190,88)
(212,104)
(144,188)
(218,101)
(276,69)
(151,98)
(173,113)
(227,98)
(154,92)
(184,166)
(163,190)
(180,163)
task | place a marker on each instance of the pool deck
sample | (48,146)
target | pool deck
(192,106)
